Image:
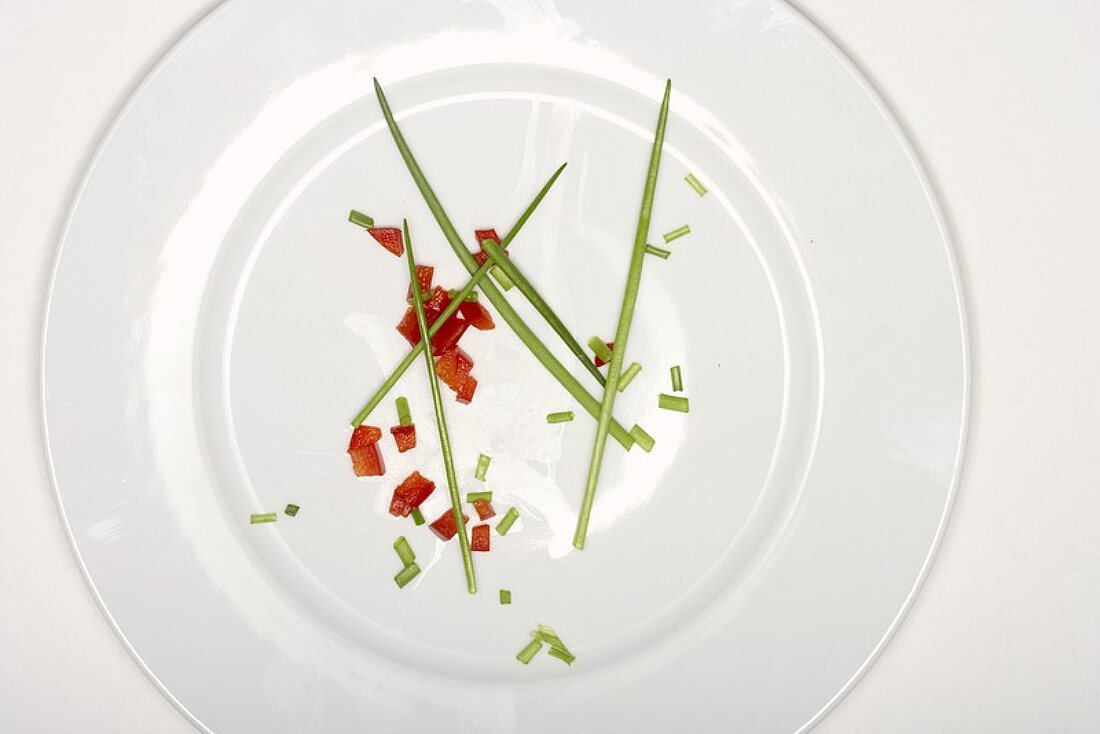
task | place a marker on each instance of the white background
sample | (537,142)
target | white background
(1003,99)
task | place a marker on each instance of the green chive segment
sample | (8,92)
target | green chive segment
(404,551)
(292,510)
(482,466)
(502,278)
(643,439)
(628,375)
(673,402)
(363,220)
(563,417)
(404,417)
(600,349)
(508,521)
(526,654)
(677,379)
(262,517)
(479,497)
(564,655)
(505,597)
(406,574)
(417,516)
(658,251)
(676,233)
(696,184)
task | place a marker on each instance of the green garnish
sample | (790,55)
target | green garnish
(508,521)
(696,184)
(262,517)
(658,251)
(643,439)
(441,423)
(292,510)
(482,466)
(471,296)
(677,379)
(363,220)
(550,637)
(404,551)
(404,417)
(672,402)
(479,497)
(502,277)
(600,349)
(626,315)
(564,655)
(500,303)
(529,652)
(628,375)
(563,417)
(676,233)
(495,254)
(505,597)
(406,574)
(417,516)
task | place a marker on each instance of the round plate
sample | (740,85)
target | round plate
(215,321)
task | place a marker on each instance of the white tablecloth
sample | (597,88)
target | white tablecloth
(1002,98)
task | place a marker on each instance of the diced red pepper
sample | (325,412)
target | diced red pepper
(480,257)
(445,527)
(390,238)
(410,494)
(424,274)
(408,327)
(405,436)
(367,461)
(486,234)
(466,392)
(449,334)
(435,305)
(600,362)
(477,315)
(364,436)
(454,367)
(479,539)
(484,509)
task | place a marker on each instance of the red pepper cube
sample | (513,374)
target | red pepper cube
(600,362)
(410,494)
(435,305)
(364,436)
(405,436)
(390,238)
(466,392)
(449,334)
(476,315)
(480,257)
(484,509)
(486,234)
(367,461)
(408,327)
(445,527)
(453,368)
(424,274)
(479,539)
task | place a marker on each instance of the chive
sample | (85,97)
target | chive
(628,375)
(426,295)
(417,516)
(482,466)
(404,551)
(262,518)
(676,233)
(696,184)
(508,521)
(292,510)
(509,268)
(471,296)
(626,316)
(677,379)
(406,574)
(363,220)
(529,652)
(441,423)
(563,417)
(517,324)
(658,251)
(501,277)
(563,655)
(643,439)
(404,417)
(550,637)
(599,348)
(505,597)
(476,496)
(673,402)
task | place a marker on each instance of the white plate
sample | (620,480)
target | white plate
(214,321)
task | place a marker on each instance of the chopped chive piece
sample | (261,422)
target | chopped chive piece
(501,277)
(508,521)
(482,466)
(471,296)
(550,637)
(599,348)
(404,417)
(563,417)
(292,510)
(529,652)
(417,516)
(407,574)
(262,517)
(676,233)
(696,184)
(505,597)
(643,439)
(628,375)
(658,251)
(475,496)
(677,379)
(363,220)
(404,551)
(564,655)
(673,402)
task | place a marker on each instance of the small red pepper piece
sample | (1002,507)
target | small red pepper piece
(484,509)
(477,315)
(479,539)
(445,527)
(405,436)
(367,461)
(436,304)
(390,238)
(453,368)
(410,494)
(449,334)
(466,392)
(408,328)
(364,436)
(481,256)
(600,362)
(424,274)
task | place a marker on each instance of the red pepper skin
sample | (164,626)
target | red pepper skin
(477,315)
(445,527)
(367,461)
(364,436)
(405,437)
(600,362)
(424,274)
(453,368)
(408,328)
(410,494)
(390,238)
(479,539)
(448,335)
(484,509)
(466,392)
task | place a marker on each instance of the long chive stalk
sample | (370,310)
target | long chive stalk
(456,301)
(626,315)
(528,337)
(520,280)
(441,421)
